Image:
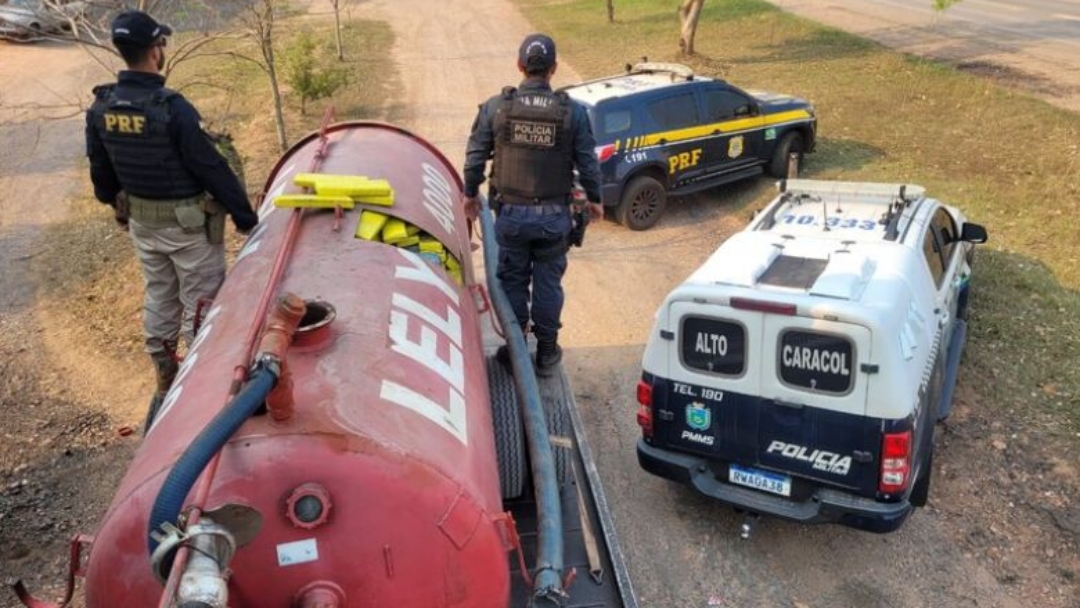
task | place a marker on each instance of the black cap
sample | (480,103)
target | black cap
(138,28)
(537,50)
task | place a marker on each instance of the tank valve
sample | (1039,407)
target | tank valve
(203,584)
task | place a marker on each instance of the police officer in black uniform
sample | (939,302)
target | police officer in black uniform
(151,161)
(536,137)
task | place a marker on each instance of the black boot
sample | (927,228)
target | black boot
(503,355)
(166,367)
(548,356)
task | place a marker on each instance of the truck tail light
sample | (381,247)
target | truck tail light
(603,153)
(895,462)
(644,413)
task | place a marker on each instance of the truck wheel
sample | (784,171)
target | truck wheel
(791,142)
(643,202)
(921,492)
(509,433)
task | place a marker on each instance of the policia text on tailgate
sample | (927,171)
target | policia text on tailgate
(660,130)
(800,371)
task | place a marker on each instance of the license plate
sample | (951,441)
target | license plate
(760,480)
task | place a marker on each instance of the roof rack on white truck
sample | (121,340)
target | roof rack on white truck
(799,371)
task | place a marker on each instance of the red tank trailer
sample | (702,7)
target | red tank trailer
(368,475)
(381,442)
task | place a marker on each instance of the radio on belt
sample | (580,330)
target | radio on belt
(800,370)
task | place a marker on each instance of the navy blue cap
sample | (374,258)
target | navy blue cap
(537,50)
(138,28)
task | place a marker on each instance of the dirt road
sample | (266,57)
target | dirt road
(61,411)
(1027,44)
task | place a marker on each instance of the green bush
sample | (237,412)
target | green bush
(307,70)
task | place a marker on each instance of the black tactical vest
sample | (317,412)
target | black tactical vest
(533,149)
(135,131)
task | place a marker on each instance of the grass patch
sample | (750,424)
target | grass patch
(1011,162)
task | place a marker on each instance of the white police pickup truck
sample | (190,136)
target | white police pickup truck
(799,372)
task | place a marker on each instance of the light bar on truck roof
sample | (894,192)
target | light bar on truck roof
(656,67)
(861,190)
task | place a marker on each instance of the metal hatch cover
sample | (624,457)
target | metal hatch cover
(794,272)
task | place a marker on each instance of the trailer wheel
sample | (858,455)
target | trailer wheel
(556,394)
(509,433)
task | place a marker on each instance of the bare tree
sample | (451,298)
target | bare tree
(91,27)
(337,28)
(689,13)
(611,11)
(258,18)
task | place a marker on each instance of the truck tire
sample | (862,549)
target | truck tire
(642,203)
(792,141)
(920,494)
(510,449)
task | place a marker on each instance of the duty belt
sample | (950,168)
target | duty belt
(159,213)
(517,200)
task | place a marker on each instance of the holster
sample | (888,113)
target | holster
(580,221)
(215,220)
(122,208)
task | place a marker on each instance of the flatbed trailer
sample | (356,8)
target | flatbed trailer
(596,573)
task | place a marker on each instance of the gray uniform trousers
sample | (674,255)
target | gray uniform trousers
(180,267)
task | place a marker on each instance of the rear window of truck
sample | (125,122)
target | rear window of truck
(717,346)
(816,361)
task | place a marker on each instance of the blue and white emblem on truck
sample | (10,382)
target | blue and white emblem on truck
(698,417)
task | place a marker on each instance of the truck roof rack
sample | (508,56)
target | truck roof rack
(860,190)
(898,197)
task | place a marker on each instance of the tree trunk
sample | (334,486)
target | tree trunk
(337,30)
(689,12)
(279,116)
(611,11)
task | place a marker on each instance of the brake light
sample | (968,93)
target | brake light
(644,413)
(895,462)
(603,153)
(778,308)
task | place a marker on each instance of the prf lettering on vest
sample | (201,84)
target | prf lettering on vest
(684,160)
(125,123)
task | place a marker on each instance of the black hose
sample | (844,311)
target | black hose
(190,465)
(547,577)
